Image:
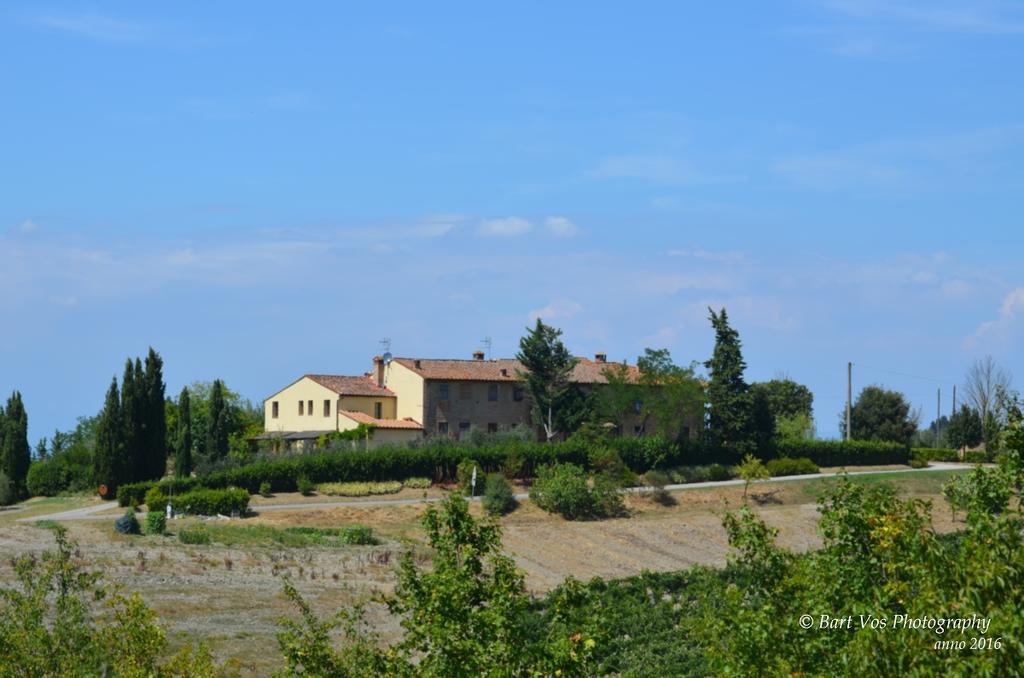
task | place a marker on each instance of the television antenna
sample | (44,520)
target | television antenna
(486,341)
(385,344)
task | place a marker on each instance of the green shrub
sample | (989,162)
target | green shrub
(976,457)
(785,466)
(8,493)
(357,535)
(128,523)
(359,489)
(564,489)
(133,494)
(464,474)
(934,454)
(156,500)
(606,496)
(265,489)
(156,523)
(917,462)
(717,472)
(498,496)
(46,478)
(844,453)
(417,483)
(657,481)
(211,502)
(194,534)
(304,485)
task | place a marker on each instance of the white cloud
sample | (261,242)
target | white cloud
(561,227)
(1011,318)
(559,308)
(508,226)
(28,226)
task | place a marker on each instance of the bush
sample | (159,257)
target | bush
(156,523)
(657,481)
(128,523)
(357,535)
(212,502)
(359,489)
(844,453)
(785,466)
(417,483)
(265,489)
(46,478)
(717,472)
(304,485)
(564,489)
(8,493)
(934,454)
(498,496)
(155,500)
(917,462)
(464,474)
(976,457)
(194,534)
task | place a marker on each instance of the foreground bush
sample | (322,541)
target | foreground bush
(50,625)
(194,534)
(128,523)
(211,502)
(498,496)
(565,489)
(791,467)
(156,523)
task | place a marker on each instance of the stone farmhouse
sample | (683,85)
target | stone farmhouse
(408,398)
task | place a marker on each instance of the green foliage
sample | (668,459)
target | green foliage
(717,472)
(417,483)
(786,398)
(8,492)
(751,469)
(359,489)
(882,415)
(218,427)
(965,428)
(729,420)
(981,493)
(265,489)
(46,478)
(843,453)
(785,466)
(464,475)
(183,441)
(977,457)
(556,404)
(499,498)
(934,454)
(127,523)
(205,502)
(111,466)
(795,427)
(156,523)
(332,439)
(305,486)
(50,625)
(565,489)
(194,534)
(155,499)
(15,453)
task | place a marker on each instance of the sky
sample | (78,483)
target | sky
(260,190)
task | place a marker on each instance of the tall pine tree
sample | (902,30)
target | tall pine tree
(183,437)
(15,453)
(110,460)
(217,431)
(154,416)
(557,405)
(728,395)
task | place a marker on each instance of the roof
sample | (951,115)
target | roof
(502,369)
(362,385)
(364,418)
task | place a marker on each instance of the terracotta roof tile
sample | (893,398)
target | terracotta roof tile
(501,369)
(351,386)
(364,418)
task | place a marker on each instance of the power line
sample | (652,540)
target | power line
(905,374)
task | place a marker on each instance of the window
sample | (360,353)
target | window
(273,409)
(378,410)
(492,392)
(444,391)
(327,408)
(442,427)
(517,393)
(309,408)
(638,406)
(492,427)
(465,390)
(463,429)
(302,408)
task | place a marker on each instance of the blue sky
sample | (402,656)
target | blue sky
(260,191)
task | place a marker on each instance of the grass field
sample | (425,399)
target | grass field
(228,592)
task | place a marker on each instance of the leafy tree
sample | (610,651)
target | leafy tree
(15,453)
(880,414)
(183,437)
(556,403)
(786,398)
(668,395)
(729,420)
(111,465)
(155,422)
(965,429)
(795,427)
(751,470)
(217,433)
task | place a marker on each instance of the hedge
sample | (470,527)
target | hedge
(205,502)
(440,461)
(935,454)
(784,466)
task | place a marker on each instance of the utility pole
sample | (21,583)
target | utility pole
(849,396)
(938,414)
(953,411)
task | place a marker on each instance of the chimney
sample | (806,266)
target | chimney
(417,364)
(378,364)
(504,372)
(600,357)
(478,355)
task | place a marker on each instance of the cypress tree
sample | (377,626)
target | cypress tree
(110,461)
(15,453)
(556,403)
(217,431)
(183,437)
(131,421)
(155,446)
(728,395)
